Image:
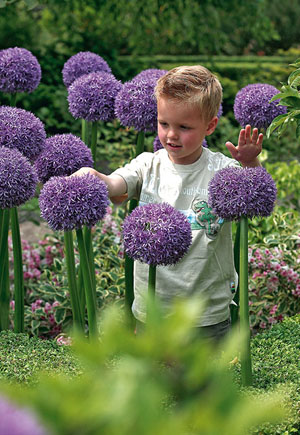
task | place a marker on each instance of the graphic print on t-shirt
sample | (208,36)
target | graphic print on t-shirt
(205,219)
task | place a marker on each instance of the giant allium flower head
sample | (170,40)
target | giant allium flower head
(68,203)
(156,234)
(83,63)
(236,192)
(18,421)
(92,96)
(252,105)
(135,104)
(20,70)
(63,154)
(18,178)
(151,73)
(22,130)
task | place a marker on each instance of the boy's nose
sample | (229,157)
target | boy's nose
(172,134)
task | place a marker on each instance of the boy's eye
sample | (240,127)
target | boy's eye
(184,127)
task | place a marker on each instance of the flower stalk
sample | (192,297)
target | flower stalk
(18,272)
(88,285)
(246,366)
(74,297)
(4,270)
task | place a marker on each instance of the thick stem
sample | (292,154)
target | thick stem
(94,141)
(13,99)
(151,290)
(244,304)
(4,270)
(70,261)
(234,309)
(140,143)
(87,233)
(84,131)
(18,272)
(88,285)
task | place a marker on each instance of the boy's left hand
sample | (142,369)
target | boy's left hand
(248,148)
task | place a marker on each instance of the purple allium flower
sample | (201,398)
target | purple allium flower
(20,70)
(220,111)
(135,104)
(22,130)
(156,234)
(151,73)
(92,96)
(18,178)
(18,421)
(83,63)
(236,192)
(68,203)
(63,154)
(157,145)
(252,105)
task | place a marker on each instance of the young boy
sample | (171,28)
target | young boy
(188,99)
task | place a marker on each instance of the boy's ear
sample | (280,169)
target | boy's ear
(211,126)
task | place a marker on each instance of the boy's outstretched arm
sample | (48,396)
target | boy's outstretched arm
(248,148)
(116,185)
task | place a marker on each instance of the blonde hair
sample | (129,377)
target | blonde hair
(194,85)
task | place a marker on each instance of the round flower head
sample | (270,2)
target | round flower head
(156,234)
(18,421)
(236,192)
(68,203)
(252,105)
(151,73)
(63,154)
(82,63)
(92,96)
(22,130)
(157,145)
(20,70)
(135,104)
(18,178)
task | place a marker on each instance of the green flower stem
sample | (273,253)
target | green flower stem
(70,261)
(94,141)
(88,285)
(234,309)
(13,99)
(244,304)
(84,128)
(4,270)
(87,233)
(18,271)
(151,291)
(129,263)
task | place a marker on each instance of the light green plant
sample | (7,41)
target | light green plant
(165,380)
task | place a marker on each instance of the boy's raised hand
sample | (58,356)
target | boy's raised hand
(248,148)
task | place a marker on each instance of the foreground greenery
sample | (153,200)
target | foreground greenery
(164,380)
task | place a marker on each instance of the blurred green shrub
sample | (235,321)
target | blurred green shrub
(165,380)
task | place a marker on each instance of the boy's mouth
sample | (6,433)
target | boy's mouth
(172,145)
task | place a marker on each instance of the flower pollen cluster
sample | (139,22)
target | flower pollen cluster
(82,63)
(20,70)
(18,178)
(22,130)
(252,105)
(63,154)
(68,203)
(92,96)
(237,192)
(156,234)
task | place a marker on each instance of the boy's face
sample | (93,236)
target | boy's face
(181,130)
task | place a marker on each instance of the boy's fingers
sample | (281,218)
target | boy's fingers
(232,149)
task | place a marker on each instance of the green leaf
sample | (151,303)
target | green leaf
(60,315)
(57,264)
(298,130)
(35,324)
(275,124)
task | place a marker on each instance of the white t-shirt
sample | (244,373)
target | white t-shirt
(207,270)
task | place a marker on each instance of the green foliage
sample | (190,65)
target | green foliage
(165,380)
(289,97)
(22,358)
